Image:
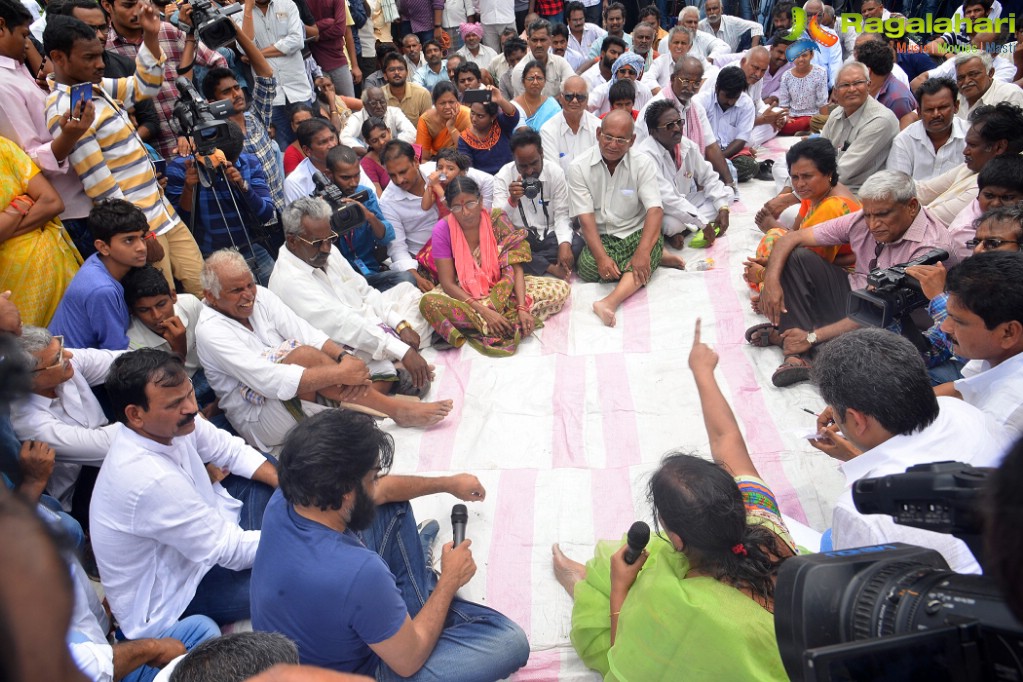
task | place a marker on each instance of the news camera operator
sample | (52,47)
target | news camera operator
(534,197)
(224,198)
(805,298)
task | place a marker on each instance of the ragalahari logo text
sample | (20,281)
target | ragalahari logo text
(807,37)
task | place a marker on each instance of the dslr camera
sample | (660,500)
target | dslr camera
(212,22)
(347,216)
(532,187)
(200,120)
(895,611)
(891,294)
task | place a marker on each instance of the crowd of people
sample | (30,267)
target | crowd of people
(213,310)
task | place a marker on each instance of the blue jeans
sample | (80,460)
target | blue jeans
(950,370)
(223,594)
(386,279)
(191,632)
(264,264)
(406,28)
(282,122)
(477,643)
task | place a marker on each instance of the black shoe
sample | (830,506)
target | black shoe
(766,170)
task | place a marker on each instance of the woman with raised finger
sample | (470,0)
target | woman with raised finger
(487,300)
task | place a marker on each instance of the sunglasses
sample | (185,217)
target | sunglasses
(574,96)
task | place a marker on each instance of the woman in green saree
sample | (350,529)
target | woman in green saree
(487,300)
(698,604)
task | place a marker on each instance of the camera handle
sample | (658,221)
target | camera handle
(546,215)
(913,333)
(210,170)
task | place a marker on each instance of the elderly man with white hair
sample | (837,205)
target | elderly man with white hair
(805,297)
(679,42)
(316,281)
(1004,69)
(705,46)
(573,131)
(271,368)
(975,74)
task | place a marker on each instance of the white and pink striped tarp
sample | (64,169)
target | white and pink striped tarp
(565,434)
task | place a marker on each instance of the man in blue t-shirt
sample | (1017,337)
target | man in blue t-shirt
(359,245)
(347,579)
(93,313)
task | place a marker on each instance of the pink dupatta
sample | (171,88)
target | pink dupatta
(475,279)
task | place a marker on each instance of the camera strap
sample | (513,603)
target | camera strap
(546,215)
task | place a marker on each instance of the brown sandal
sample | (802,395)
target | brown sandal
(760,334)
(794,370)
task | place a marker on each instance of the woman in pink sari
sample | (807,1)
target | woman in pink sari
(487,300)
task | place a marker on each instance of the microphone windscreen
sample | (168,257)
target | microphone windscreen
(639,535)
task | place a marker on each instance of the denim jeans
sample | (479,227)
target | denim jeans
(477,643)
(282,122)
(950,370)
(191,632)
(223,594)
(264,264)
(387,279)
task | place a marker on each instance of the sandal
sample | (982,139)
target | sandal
(789,372)
(760,334)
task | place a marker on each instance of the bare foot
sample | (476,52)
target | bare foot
(670,260)
(421,414)
(754,303)
(605,312)
(567,572)
(676,241)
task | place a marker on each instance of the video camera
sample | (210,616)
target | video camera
(891,294)
(895,611)
(200,120)
(212,22)
(347,216)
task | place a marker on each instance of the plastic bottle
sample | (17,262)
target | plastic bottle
(700,265)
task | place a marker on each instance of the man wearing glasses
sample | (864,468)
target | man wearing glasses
(570,133)
(614,195)
(805,297)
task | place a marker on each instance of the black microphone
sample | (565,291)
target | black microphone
(459,517)
(639,535)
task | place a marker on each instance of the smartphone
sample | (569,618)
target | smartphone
(80,93)
(161,166)
(476,97)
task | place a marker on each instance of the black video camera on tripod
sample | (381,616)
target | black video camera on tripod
(347,215)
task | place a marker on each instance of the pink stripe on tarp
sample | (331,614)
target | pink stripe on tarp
(613,508)
(747,400)
(554,335)
(542,666)
(569,397)
(739,207)
(438,442)
(635,315)
(621,433)
(510,564)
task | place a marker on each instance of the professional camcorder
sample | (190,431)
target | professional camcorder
(347,216)
(200,120)
(212,22)
(895,611)
(891,295)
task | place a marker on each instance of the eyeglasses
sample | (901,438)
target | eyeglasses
(534,79)
(611,139)
(318,243)
(575,96)
(672,125)
(689,83)
(878,248)
(60,356)
(848,86)
(991,243)
(466,207)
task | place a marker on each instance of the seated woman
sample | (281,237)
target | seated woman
(335,108)
(534,107)
(293,154)
(376,134)
(442,125)
(804,91)
(699,603)
(487,299)
(486,140)
(813,167)
(37,257)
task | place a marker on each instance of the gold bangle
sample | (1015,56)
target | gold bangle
(402,326)
(725,209)
(615,613)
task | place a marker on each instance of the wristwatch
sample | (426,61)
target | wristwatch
(811,338)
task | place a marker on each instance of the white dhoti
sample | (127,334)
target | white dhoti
(701,212)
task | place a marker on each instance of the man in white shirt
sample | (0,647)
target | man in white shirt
(730,29)
(473,51)
(611,48)
(975,73)
(692,194)
(168,540)
(375,106)
(322,287)
(570,133)
(705,47)
(62,411)
(279,33)
(878,395)
(557,69)
(581,34)
(412,50)
(934,144)
(731,114)
(614,194)
(985,324)
(678,43)
(260,356)
(316,138)
(401,203)
(496,16)
(533,194)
